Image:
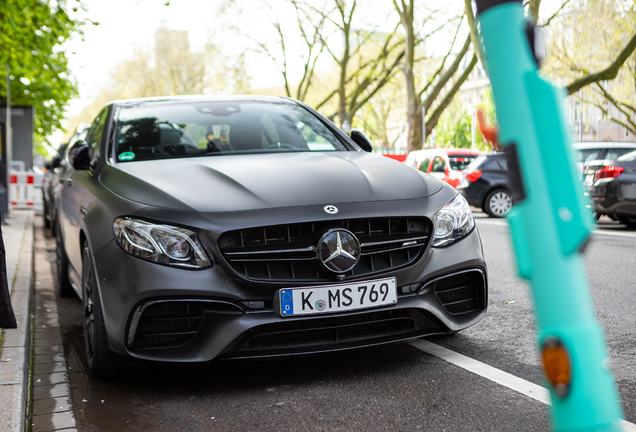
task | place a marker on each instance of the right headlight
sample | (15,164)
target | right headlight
(453,221)
(162,244)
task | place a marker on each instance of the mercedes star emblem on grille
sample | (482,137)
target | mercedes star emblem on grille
(331,209)
(339,250)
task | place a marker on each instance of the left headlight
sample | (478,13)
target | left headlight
(453,221)
(162,244)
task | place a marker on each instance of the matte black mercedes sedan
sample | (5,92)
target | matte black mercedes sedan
(198,229)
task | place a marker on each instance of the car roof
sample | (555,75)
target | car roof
(445,151)
(602,144)
(202,98)
(460,151)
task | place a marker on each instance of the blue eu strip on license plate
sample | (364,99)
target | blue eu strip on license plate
(336,298)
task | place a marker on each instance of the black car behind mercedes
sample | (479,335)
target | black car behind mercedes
(612,187)
(486,185)
(199,228)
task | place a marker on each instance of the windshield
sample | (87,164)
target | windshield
(586,155)
(472,166)
(189,129)
(631,156)
(460,162)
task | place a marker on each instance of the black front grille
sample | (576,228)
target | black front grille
(462,292)
(167,325)
(289,252)
(332,333)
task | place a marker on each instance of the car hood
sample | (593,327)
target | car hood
(260,181)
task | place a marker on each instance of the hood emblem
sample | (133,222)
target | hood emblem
(339,250)
(331,209)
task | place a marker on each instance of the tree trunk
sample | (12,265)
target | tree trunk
(413,106)
(434,116)
(342,93)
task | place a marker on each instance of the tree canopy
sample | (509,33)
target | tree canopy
(31,34)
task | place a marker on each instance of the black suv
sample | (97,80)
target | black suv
(486,185)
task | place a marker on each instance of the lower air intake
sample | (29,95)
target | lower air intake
(166,324)
(461,292)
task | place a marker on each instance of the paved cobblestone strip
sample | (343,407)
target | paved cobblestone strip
(14,364)
(52,408)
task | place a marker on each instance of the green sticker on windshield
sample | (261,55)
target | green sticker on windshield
(126,156)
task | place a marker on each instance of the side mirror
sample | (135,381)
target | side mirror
(55,163)
(79,157)
(439,167)
(48,165)
(362,140)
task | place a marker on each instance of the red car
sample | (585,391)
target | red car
(444,163)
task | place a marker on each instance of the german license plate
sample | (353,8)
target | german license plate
(337,298)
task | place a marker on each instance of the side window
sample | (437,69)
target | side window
(613,154)
(503,163)
(95,135)
(424,166)
(439,165)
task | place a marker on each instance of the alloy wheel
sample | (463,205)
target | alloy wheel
(89,317)
(500,203)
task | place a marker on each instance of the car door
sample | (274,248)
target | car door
(425,164)
(73,186)
(97,143)
(438,168)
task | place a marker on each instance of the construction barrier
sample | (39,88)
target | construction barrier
(25,190)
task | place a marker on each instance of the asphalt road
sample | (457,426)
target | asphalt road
(395,387)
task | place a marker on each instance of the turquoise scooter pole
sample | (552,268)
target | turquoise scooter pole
(549,223)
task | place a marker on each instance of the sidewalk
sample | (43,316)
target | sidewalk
(14,355)
(51,408)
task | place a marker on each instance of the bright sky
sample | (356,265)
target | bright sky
(126,25)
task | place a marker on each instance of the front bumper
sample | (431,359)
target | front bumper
(239,322)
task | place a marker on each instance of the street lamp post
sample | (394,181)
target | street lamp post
(8,145)
(423,126)
(473,126)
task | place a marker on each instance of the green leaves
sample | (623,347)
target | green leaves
(31,35)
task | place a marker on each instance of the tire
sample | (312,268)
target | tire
(46,211)
(630,221)
(53,226)
(497,203)
(62,283)
(101,361)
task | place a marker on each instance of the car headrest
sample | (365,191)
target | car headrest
(245,137)
(169,135)
(142,132)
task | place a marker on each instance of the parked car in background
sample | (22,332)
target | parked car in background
(400,157)
(48,185)
(612,187)
(50,180)
(444,163)
(486,185)
(283,237)
(589,151)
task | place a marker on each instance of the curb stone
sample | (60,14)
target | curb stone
(51,397)
(14,360)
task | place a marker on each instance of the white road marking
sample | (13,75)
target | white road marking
(615,234)
(500,377)
(629,234)
(505,379)
(492,222)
